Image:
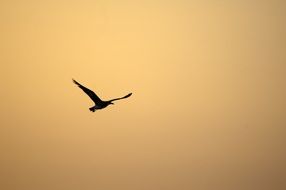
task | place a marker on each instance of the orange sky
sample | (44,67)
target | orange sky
(208,105)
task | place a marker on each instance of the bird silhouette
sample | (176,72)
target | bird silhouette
(99,104)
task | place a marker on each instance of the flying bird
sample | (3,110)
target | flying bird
(99,104)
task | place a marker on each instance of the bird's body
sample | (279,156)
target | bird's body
(99,104)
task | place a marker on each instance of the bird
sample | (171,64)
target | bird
(99,104)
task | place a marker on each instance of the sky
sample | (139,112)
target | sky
(208,107)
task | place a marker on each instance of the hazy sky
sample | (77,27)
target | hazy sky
(208,106)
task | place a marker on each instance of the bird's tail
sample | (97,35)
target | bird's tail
(92,109)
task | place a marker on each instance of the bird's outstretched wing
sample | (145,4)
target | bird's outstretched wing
(89,92)
(121,97)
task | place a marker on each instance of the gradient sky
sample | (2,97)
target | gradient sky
(208,106)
